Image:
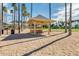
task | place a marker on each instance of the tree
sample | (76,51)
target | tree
(19,17)
(65,17)
(49,17)
(70,20)
(15,9)
(11,11)
(31,9)
(24,13)
(5,10)
(1,18)
(28,14)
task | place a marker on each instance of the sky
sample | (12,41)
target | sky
(57,10)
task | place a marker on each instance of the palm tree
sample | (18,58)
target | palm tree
(11,11)
(24,13)
(5,15)
(19,17)
(5,12)
(65,17)
(70,20)
(15,9)
(2,19)
(31,9)
(28,14)
(49,17)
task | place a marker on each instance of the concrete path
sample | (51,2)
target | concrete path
(55,44)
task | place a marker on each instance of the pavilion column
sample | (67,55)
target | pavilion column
(49,29)
(34,28)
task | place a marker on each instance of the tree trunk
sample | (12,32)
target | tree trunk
(14,21)
(7,25)
(65,18)
(12,29)
(18,17)
(21,19)
(21,22)
(70,20)
(49,18)
(31,10)
(1,19)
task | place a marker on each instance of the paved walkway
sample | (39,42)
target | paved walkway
(55,44)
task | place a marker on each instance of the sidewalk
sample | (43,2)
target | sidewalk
(24,46)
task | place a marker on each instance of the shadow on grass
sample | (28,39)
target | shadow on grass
(30,40)
(29,53)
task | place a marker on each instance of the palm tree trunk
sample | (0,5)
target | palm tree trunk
(49,18)
(70,20)
(2,19)
(24,22)
(7,25)
(14,21)
(21,22)
(31,9)
(18,17)
(21,19)
(65,18)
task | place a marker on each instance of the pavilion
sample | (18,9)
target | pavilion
(37,22)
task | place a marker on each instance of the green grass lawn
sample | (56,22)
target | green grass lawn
(62,30)
(58,30)
(75,30)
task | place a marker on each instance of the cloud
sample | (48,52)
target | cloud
(5,4)
(75,12)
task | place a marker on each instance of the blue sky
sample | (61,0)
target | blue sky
(43,9)
(57,10)
(39,8)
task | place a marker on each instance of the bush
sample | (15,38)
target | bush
(76,26)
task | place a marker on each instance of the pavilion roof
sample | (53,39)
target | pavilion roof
(39,20)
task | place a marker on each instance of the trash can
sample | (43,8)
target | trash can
(12,31)
(2,31)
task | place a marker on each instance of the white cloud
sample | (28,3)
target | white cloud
(5,4)
(75,12)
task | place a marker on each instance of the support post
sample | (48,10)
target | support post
(34,28)
(49,29)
